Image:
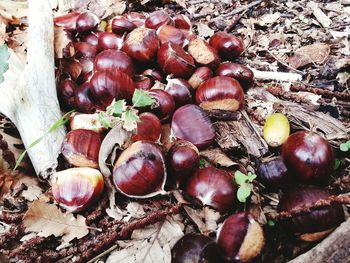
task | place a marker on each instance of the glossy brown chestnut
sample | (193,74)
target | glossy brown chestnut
(136,17)
(140,170)
(154,74)
(158,18)
(148,128)
(83,99)
(68,21)
(182,22)
(143,82)
(183,161)
(173,59)
(92,38)
(87,22)
(114,60)
(180,90)
(201,75)
(213,187)
(195,248)
(72,67)
(84,50)
(274,173)
(192,124)
(141,44)
(172,34)
(86,121)
(240,238)
(308,157)
(313,225)
(203,53)
(81,148)
(237,71)
(227,46)
(109,40)
(65,93)
(121,25)
(165,105)
(108,85)
(220,93)
(76,188)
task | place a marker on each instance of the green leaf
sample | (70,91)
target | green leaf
(201,163)
(271,222)
(4,56)
(105,120)
(251,177)
(117,108)
(243,193)
(130,119)
(344,147)
(62,121)
(336,164)
(240,178)
(142,99)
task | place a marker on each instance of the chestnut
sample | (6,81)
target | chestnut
(183,160)
(141,44)
(114,59)
(66,89)
(86,121)
(76,188)
(87,22)
(91,38)
(83,99)
(68,21)
(173,59)
(195,248)
(274,173)
(181,91)
(226,45)
(136,17)
(240,72)
(84,50)
(220,93)
(203,53)
(200,75)
(276,129)
(213,187)
(192,123)
(172,34)
(121,25)
(314,224)
(140,170)
(158,18)
(81,148)
(108,85)
(240,238)
(182,22)
(154,74)
(308,157)
(148,128)
(143,82)
(72,67)
(165,105)
(108,40)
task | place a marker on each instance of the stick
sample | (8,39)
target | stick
(278,76)
(321,17)
(28,93)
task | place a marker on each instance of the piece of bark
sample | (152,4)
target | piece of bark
(30,98)
(301,116)
(335,248)
(321,17)
(232,135)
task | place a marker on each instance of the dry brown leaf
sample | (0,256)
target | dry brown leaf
(150,244)
(205,218)
(315,53)
(217,157)
(102,8)
(204,31)
(46,219)
(61,41)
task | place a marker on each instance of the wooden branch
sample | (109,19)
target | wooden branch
(28,96)
(335,248)
(278,76)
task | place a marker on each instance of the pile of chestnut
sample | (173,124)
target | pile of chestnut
(188,77)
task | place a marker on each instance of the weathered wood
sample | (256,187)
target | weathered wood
(28,93)
(334,249)
(233,135)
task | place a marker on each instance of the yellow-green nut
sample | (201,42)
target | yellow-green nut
(276,129)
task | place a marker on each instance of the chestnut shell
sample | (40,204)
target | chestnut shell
(308,157)
(320,219)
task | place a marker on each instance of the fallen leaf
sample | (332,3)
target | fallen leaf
(315,53)
(204,31)
(205,218)
(102,8)
(46,219)
(218,157)
(133,210)
(150,244)
(61,42)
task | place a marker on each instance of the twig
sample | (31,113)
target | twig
(321,17)
(242,8)
(323,92)
(275,75)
